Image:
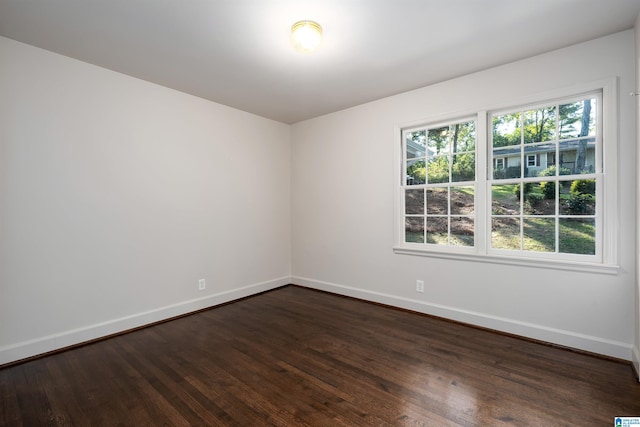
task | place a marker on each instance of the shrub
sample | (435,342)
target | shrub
(583,186)
(548,189)
(535,199)
(464,168)
(418,172)
(580,204)
(551,171)
(528,186)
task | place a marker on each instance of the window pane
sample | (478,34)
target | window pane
(462,231)
(416,172)
(462,201)
(539,235)
(416,144)
(578,156)
(537,159)
(505,199)
(506,130)
(580,199)
(539,125)
(505,233)
(414,202)
(437,230)
(414,229)
(539,198)
(577,236)
(464,167)
(438,170)
(438,141)
(435,157)
(464,137)
(437,201)
(578,119)
(511,163)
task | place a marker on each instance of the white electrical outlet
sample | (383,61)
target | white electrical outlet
(419,285)
(201,285)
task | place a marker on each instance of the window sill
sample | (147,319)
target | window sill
(587,267)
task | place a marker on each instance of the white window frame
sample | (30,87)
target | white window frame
(535,160)
(443,185)
(499,166)
(607,233)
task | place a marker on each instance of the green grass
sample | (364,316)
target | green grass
(576,236)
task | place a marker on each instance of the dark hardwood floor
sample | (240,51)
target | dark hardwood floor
(295,356)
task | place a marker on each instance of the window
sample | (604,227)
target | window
(540,198)
(440,171)
(553,209)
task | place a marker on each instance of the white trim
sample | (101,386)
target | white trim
(564,338)
(636,360)
(546,263)
(25,349)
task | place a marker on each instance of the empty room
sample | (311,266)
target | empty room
(321,213)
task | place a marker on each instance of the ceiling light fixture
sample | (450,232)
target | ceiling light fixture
(306,36)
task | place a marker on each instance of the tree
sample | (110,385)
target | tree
(507,130)
(584,131)
(539,125)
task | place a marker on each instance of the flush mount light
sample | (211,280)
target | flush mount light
(306,36)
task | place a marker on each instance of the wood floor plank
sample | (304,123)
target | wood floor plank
(298,357)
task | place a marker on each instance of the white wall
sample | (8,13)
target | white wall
(117,195)
(343,211)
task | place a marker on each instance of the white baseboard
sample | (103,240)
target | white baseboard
(25,349)
(636,361)
(555,336)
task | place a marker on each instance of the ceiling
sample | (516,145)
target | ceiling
(237,52)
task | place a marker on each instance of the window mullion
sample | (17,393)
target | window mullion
(482,201)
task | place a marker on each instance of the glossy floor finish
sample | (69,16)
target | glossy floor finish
(295,356)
